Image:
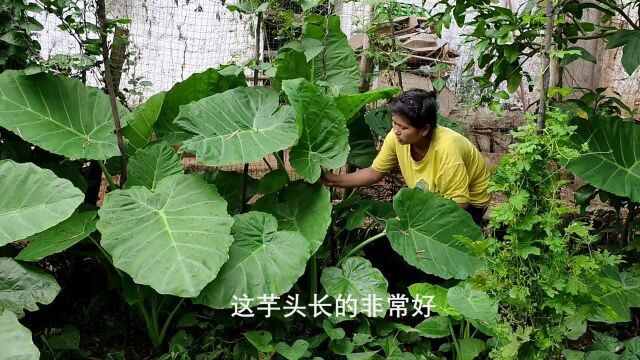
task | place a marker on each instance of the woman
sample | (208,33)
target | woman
(431,157)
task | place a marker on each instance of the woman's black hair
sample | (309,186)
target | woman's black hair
(419,106)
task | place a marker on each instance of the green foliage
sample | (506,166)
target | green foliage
(194,88)
(551,297)
(22,287)
(241,125)
(18,46)
(59,114)
(139,129)
(322,129)
(15,339)
(335,67)
(59,237)
(34,200)
(630,41)
(426,234)
(262,261)
(300,207)
(610,162)
(151,164)
(187,221)
(356,280)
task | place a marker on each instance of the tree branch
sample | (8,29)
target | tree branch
(102,19)
(548,37)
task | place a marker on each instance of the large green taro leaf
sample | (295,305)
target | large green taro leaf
(229,186)
(60,237)
(15,339)
(362,146)
(473,304)
(33,200)
(341,65)
(425,234)
(238,126)
(140,122)
(151,164)
(301,207)
(622,294)
(194,88)
(324,138)
(24,286)
(351,104)
(59,114)
(262,261)
(356,279)
(440,301)
(613,160)
(174,239)
(298,61)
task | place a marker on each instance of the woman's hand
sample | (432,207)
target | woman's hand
(362,177)
(328,178)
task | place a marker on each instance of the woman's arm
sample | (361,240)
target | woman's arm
(362,177)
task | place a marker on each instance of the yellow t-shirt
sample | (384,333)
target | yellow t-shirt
(452,167)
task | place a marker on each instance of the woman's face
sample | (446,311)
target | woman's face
(405,132)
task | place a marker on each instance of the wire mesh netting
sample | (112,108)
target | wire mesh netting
(168,40)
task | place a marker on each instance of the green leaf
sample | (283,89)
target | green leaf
(59,237)
(59,114)
(333,333)
(309,4)
(239,126)
(229,186)
(311,48)
(140,122)
(15,339)
(16,38)
(440,302)
(323,133)
(351,104)
(33,200)
(341,347)
(451,124)
(68,339)
(473,303)
(174,239)
(194,88)
(180,341)
(633,345)
(342,68)
(301,207)
(434,327)
(152,163)
(511,52)
(24,286)
(470,348)
(361,339)
(357,279)
(612,163)
(623,294)
(571,57)
(630,39)
(379,120)
(439,84)
(572,354)
(362,355)
(273,181)
(262,260)
(293,352)
(362,145)
(513,81)
(601,355)
(261,340)
(425,234)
